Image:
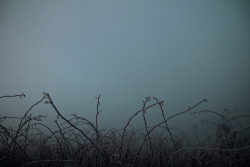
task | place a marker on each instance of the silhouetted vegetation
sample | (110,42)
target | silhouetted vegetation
(79,142)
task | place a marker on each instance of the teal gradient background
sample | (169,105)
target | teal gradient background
(178,51)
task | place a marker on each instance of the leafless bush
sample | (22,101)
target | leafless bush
(79,142)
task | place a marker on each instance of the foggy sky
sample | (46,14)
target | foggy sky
(178,51)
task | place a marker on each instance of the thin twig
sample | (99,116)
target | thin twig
(51,102)
(132,118)
(189,109)
(21,95)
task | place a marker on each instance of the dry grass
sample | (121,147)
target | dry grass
(79,142)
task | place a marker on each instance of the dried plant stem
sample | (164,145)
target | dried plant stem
(63,136)
(189,109)
(123,133)
(196,135)
(207,148)
(97,113)
(78,142)
(222,117)
(21,124)
(170,134)
(146,126)
(21,95)
(51,102)
(14,141)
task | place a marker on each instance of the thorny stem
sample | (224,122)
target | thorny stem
(123,133)
(97,113)
(86,152)
(146,127)
(88,122)
(189,109)
(62,135)
(13,140)
(170,134)
(51,102)
(195,127)
(21,124)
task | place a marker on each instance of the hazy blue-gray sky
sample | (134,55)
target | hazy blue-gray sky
(178,51)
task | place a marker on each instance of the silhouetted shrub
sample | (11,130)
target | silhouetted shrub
(79,142)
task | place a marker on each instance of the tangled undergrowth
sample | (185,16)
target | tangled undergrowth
(79,142)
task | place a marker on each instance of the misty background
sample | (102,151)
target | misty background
(178,51)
